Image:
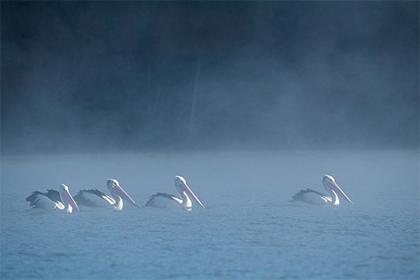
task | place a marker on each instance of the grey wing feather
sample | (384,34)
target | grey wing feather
(164,195)
(299,194)
(35,197)
(53,195)
(82,200)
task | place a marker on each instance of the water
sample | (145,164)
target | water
(249,230)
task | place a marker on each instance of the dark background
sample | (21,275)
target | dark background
(137,76)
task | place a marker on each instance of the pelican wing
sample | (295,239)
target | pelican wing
(33,197)
(158,196)
(53,195)
(87,198)
(302,193)
(47,200)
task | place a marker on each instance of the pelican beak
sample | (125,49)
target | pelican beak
(340,192)
(124,195)
(68,200)
(192,194)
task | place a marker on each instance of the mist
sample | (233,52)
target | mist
(141,76)
(251,102)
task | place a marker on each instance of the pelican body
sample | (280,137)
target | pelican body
(52,199)
(187,196)
(311,196)
(95,198)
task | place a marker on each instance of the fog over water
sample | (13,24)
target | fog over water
(170,76)
(250,101)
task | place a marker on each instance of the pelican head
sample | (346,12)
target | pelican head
(64,188)
(68,199)
(117,191)
(182,187)
(329,184)
(112,184)
(180,183)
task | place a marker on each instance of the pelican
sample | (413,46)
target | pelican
(317,198)
(96,198)
(52,199)
(163,200)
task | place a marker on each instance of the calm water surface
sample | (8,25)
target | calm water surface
(248,230)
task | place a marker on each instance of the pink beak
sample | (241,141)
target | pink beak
(68,200)
(192,194)
(335,187)
(124,195)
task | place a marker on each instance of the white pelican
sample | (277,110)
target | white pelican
(52,199)
(163,200)
(313,197)
(96,198)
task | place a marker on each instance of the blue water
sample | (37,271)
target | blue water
(249,230)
